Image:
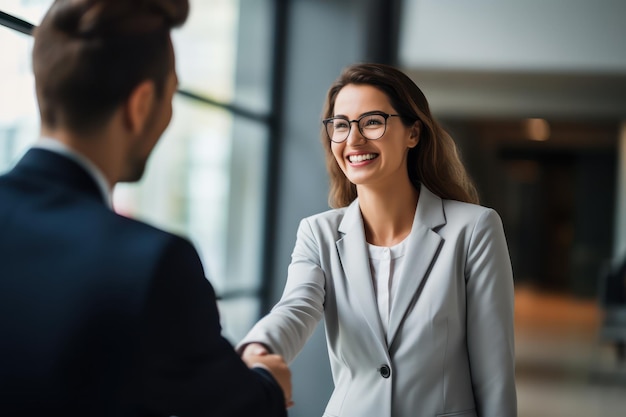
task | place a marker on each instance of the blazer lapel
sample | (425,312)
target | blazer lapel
(352,251)
(422,250)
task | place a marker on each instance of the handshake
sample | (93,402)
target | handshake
(257,355)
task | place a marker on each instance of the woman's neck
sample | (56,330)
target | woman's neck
(388,213)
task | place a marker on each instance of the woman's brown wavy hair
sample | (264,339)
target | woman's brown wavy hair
(434,162)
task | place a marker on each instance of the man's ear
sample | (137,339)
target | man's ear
(416,129)
(139,106)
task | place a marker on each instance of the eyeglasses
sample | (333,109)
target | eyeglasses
(371,125)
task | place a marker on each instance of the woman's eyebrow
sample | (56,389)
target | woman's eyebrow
(367,113)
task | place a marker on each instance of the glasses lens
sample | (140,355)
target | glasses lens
(338,129)
(372,126)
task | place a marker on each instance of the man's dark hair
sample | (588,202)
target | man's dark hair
(89,55)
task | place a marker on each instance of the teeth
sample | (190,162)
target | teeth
(361,158)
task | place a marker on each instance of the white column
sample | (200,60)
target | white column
(619,245)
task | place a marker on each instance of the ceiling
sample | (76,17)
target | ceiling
(523,94)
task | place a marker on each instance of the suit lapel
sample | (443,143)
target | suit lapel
(422,250)
(352,251)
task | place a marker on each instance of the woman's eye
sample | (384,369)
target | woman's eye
(373,121)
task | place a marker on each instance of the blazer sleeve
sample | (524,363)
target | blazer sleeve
(293,319)
(189,368)
(490,319)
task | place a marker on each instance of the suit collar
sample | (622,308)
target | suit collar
(429,209)
(422,251)
(95,172)
(429,213)
(423,246)
(352,251)
(56,169)
(352,219)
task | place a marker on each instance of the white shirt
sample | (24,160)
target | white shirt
(55,146)
(385,262)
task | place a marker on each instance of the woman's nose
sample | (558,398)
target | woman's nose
(355,136)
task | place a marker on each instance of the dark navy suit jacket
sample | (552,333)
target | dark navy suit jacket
(101,315)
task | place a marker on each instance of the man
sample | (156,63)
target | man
(101,315)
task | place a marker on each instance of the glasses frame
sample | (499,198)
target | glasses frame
(358,124)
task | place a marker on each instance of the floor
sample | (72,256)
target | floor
(563,370)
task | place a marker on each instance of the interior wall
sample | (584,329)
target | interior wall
(533,35)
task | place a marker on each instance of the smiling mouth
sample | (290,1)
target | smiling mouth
(362,157)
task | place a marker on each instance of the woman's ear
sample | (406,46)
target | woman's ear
(414,138)
(139,106)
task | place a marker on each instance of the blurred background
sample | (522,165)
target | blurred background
(533,92)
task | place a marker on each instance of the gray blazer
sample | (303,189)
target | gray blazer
(449,350)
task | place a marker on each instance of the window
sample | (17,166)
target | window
(206,177)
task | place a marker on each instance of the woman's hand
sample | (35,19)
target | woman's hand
(255,354)
(253,349)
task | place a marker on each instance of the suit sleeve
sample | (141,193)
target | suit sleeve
(189,368)
(490,319)
(293,319)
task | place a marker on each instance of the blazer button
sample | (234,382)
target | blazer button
(385,372)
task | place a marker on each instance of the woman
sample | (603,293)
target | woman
(412,277)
